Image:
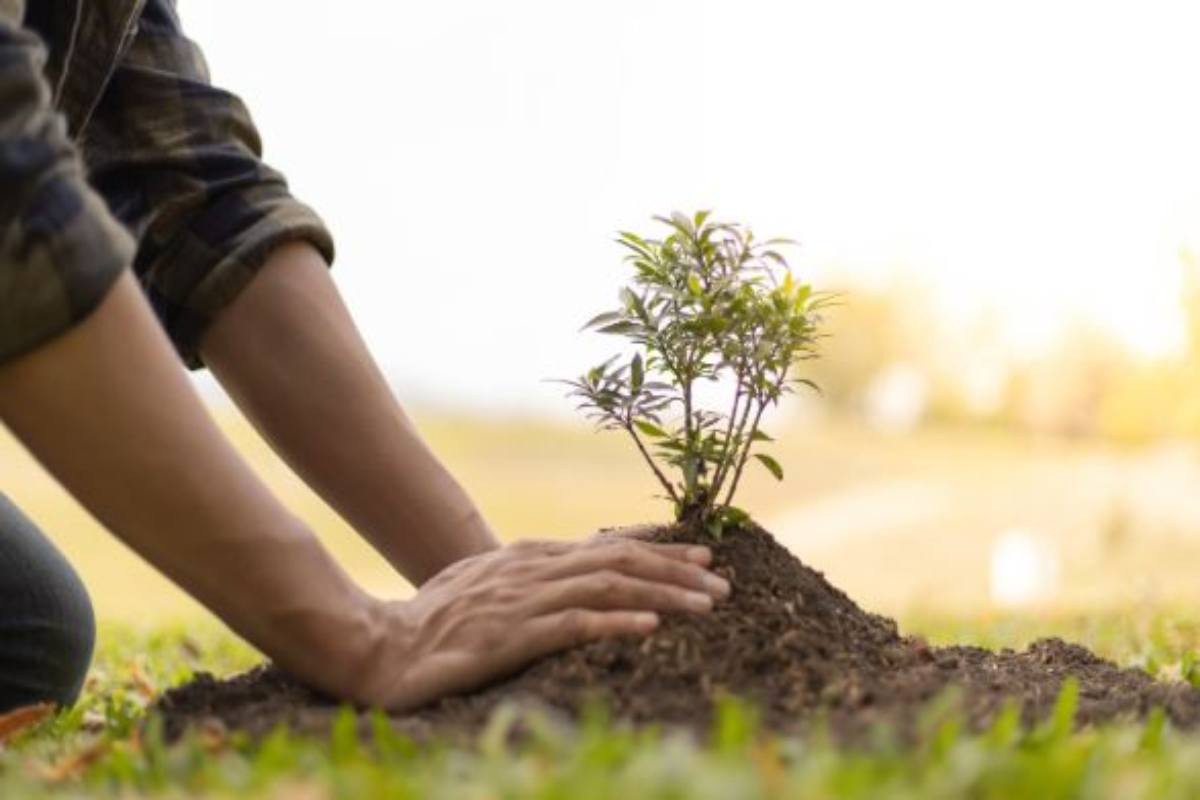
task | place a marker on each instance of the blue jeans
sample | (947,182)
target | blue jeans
(46,624)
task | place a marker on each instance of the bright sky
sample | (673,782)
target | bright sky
(1040,159)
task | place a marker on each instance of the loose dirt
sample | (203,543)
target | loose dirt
(786,639)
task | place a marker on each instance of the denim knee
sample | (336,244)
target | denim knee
(47,625)
(71,637)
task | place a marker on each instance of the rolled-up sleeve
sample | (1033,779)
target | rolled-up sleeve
(179,162)
(60,248)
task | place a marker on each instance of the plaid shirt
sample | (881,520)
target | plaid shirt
(116,150)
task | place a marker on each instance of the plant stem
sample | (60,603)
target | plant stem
(642,448)
(726,457)
(746,452)
(750,439)
(687,407)
(678,372)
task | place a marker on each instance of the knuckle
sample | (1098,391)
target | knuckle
(523,547)
(477,594)
(626,555)
(510,593)
(606,582)
(526,569)
(575,620)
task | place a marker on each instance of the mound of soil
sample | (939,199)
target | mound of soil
(785,639)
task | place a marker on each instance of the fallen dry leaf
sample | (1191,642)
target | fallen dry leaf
(72,766)
(22,719)
(189,648)
(144,686)
(214,737)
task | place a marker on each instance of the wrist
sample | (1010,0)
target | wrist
(382,654)
(311,618)
(461,536)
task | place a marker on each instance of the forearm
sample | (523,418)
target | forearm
(107,409)
(289,354)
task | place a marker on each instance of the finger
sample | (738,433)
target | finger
(635,560)
(609,590)
(550,633)
(537,546)
(640,531)
(693,553)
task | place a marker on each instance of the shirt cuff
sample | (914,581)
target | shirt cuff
(217,255)
(59,257)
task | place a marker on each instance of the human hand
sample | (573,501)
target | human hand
(488,615)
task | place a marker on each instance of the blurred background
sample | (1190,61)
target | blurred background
(1007,196)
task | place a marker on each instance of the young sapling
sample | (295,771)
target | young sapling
(706,302)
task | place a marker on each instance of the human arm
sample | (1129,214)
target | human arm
(289,354)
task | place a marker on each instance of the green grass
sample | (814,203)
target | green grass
(102,748)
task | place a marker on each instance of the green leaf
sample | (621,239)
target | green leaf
(633,237)
(760,436)
(714,526)
(635,304)
(636,374)
(681,222)
(1152,733)
(624,326)
(640,247)
(1062,718)
(735,516)
(600,319)
(771,464)
(597,372)
(650,429)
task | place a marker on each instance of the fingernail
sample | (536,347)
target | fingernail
(716,584)
(646,620)
(699,555)
(698,602)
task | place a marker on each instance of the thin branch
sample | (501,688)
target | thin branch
(687,401)
(745,454)
(737,437)
(750,440)
(642,448)
(727,458)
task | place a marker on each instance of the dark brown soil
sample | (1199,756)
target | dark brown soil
(786,639)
